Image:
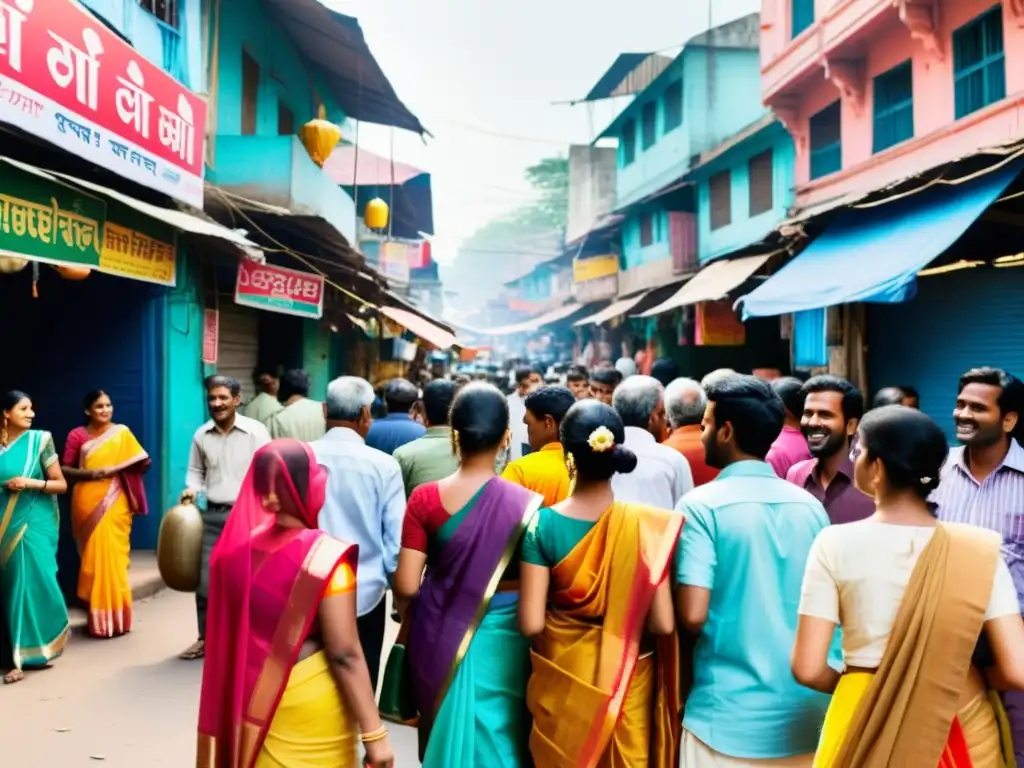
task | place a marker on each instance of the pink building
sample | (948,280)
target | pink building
(876,90)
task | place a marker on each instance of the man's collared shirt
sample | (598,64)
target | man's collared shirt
(218,462)
(302,420)
(262,407)
(365,506)
(519,444)
(789,448)
(543,472)
(687,441)
(996,503)
(843,502)
(746,539)
(661,478)
(427,459)
(394,431)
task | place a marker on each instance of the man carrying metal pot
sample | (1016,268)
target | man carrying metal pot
(222,450)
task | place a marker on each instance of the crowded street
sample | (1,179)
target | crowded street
(512,385)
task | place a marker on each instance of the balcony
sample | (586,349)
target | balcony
(277,170)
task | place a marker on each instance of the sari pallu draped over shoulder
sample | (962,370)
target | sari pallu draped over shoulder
(101,520)
(590,652)
(458,588)
(908,710)
(266,584)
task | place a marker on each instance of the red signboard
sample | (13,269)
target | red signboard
(67,78)
(277,289)
(211,335)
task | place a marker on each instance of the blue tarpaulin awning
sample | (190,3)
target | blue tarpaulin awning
(874,254)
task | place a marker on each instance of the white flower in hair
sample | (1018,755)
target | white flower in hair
(601,440)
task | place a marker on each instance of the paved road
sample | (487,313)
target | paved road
(124,703)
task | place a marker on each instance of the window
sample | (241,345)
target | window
(628,142)
(165,10)
(826,141)
(650,124)
(720,189)
(979,67)
(803,15)
(285,121)
(673,106)
(894,106)
(250,93)
(646,230)
(761,172)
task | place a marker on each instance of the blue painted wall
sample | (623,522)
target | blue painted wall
(721,95)
(176,50)
(183,399)
(744,229)
(633,254)
(245,25)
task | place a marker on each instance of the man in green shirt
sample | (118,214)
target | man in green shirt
(265,405)
(430,457)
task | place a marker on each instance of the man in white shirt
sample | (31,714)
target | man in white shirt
(662,475)
(365,504)
(527,380)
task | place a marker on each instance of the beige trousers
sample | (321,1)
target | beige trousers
(697,754)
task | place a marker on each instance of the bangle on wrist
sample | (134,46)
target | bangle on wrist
(45,483)
(372,736)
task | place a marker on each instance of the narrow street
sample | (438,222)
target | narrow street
(127,702)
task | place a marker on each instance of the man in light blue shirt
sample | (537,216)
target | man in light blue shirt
(365,504)
(738,574)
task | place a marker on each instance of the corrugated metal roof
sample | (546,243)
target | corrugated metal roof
(630,73)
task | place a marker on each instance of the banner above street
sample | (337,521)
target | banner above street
(68,79)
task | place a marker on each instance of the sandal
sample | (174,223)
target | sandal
(14,676)
(195,651)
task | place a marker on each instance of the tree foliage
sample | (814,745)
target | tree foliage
(537,227)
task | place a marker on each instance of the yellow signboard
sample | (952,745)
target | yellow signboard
(594,267)
(131,254)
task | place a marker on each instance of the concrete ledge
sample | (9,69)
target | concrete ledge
(145,580)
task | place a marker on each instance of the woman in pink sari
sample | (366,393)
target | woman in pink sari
(285,684)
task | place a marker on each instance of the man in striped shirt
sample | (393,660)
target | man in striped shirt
(983,481)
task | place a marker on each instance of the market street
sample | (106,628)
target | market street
(128,702)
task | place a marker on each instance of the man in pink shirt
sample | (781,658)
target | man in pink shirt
(790,447)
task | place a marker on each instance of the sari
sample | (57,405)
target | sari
(34,616)
(596,700)
(908,712)
(260,705)
(101,521)
(468,662)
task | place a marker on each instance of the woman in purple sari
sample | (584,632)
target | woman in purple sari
(469,663)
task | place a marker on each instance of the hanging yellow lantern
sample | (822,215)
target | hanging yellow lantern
(74,273)
(376,214)
(320,137)
(11,264)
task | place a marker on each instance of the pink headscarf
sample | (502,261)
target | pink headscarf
(253,571)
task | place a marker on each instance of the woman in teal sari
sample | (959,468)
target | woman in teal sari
(468,663)
(33,617)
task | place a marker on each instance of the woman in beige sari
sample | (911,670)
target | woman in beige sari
(913,596)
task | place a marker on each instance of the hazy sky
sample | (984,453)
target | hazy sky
(482,76)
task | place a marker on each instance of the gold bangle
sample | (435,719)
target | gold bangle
(372,736)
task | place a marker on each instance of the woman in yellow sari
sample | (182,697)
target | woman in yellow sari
(596,599)
(106,463)
(913,597)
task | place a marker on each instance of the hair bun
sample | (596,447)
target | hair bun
(623,459)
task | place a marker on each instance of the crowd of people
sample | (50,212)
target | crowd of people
(626,570)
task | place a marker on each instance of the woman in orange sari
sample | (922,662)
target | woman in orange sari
(596,599)
(912,596)
(106,463)
(285,683)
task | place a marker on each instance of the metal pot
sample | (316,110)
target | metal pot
(179,548)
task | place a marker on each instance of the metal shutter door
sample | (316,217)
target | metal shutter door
(238,345)
(957,321)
